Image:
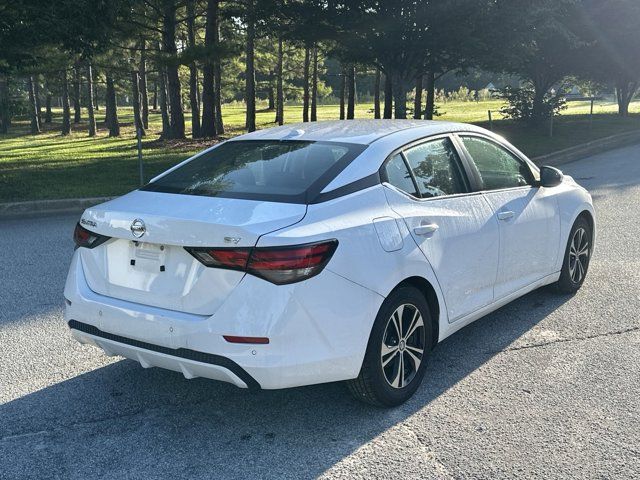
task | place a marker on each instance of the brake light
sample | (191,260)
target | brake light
(86,238)
(279,265)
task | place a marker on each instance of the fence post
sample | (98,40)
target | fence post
(490,121)
(139,135)
(591,116)
(551,125)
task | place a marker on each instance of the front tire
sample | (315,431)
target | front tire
(395,360)
(576,257)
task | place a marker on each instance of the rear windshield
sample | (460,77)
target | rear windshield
(272,170)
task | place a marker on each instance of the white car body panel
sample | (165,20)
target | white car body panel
(318,329)
(528,240)
(173,221)
(463,251)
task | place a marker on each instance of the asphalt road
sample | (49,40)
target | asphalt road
(547,387)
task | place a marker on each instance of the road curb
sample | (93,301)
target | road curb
(578,152)
(48,207)
(77,205)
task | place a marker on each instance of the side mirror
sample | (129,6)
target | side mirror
(550,177)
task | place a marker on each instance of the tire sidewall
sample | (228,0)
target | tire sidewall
(386,393)
(565,282)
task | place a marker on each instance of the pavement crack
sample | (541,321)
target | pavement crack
(566,340)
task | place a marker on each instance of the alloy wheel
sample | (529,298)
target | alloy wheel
(579,255)
(403,345)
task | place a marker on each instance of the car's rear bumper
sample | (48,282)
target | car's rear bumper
(317,329)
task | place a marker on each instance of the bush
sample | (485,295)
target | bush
(522,104)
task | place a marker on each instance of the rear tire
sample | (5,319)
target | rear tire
(576,257)
(395,360)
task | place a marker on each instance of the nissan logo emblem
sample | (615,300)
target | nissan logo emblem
(138,228)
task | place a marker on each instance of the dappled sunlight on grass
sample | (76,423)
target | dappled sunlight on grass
(49,165)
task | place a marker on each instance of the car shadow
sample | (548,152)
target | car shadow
(121,420)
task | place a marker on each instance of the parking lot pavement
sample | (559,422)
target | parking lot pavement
(546,387)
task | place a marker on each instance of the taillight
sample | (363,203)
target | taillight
(86,238)
(279,265)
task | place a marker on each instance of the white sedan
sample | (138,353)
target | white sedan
(323,252)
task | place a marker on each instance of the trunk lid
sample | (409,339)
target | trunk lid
(155,269)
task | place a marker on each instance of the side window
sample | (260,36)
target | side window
(399,176)
(435,166)
(498,168)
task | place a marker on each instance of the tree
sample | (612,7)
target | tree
(33,110)
(77,109)
(250,75)
(280,84)
(144,93)
(610,53)
(540,47)
(376,95)
(66,108)
(137,111)
(314,84)
(170,51)
(111,111)
(90,101)
(417,103)
(193,70)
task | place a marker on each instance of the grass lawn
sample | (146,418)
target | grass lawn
(49,166)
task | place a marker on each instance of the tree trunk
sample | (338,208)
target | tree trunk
(305,89)
(174,96)
(33,109)
(77,81)
(208,126)
(388,96)
(351,93)
(343,91)
(271,97)
(47,108)
(625,91)
(376,95)
(193,101)
(250,74)
(135,96)
(155,95)
(5,111)
(193,71)
(417,103)
(217,92)
(144,92)
(66,108)
(314,85)
(431,96)
(279,89)
(36,92)
(90,102)
(164,103)
(111,108)
(399,96)
(217,73)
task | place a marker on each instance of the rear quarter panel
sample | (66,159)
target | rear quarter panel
(370,253)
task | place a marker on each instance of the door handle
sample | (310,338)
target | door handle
(426,229)
(505,215)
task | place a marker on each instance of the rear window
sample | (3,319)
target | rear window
(272,170)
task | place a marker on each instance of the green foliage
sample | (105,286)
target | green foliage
(525,105)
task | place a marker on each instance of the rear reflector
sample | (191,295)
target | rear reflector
(86,238)
(279,265)
(253,340)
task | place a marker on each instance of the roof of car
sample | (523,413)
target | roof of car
(352,131)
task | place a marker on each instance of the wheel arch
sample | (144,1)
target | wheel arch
(426,288)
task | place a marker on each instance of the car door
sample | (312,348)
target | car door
(456,230)
(527,214)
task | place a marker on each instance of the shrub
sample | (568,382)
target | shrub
(523,105)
